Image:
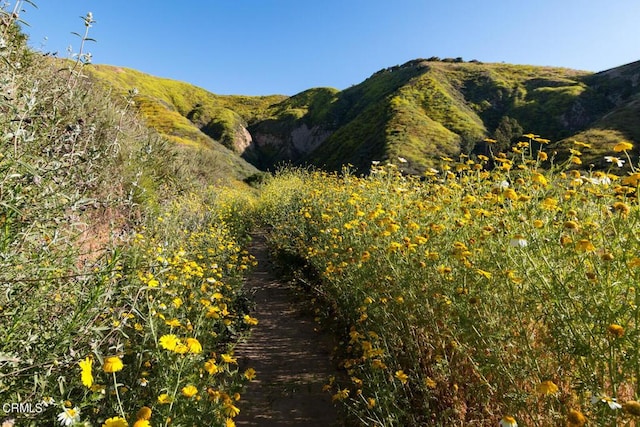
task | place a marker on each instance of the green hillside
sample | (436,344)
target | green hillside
(426,109)
(422,110)
(189,115)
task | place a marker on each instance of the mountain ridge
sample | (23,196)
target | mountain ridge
(422,110)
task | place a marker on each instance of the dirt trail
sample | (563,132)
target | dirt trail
(291,359)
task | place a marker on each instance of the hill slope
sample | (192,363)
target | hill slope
(426,109)
(189,115)
(421,110)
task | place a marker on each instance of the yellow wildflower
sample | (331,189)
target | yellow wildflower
(85,375)
(547,388)
(227,358)
(189,391)
(230,410)
(174,323)
(164,399)
(211,367)
(371,402)
(622,146)
(115,422)
(169,342)
(250,374)
(632,179)
(570,225)
(549,204)
(631,407)
(575,418)
(621,207)
(402,376)
(112,364)
(538,178)
(615,330)
(585,245)
(194,345)
(484,274)
(181,348)
(250,320)
(144,413)
(341,394)
(430,383)
(510,193)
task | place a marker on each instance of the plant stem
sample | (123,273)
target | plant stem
(115,385)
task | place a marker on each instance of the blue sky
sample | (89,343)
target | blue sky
(260,47)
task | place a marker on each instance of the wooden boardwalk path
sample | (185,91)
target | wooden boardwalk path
(291,359)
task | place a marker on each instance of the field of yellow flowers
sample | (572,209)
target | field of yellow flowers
(495,290)
(150,334)
(475,296)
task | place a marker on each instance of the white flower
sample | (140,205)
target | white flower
(375,162)
(518,241)
(612,159)
(402,160)
(611,401)
(604,180)
(502,185)
(69,416)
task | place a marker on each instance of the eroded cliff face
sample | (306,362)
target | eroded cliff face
(305,140)
(268,149)
(242,140)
